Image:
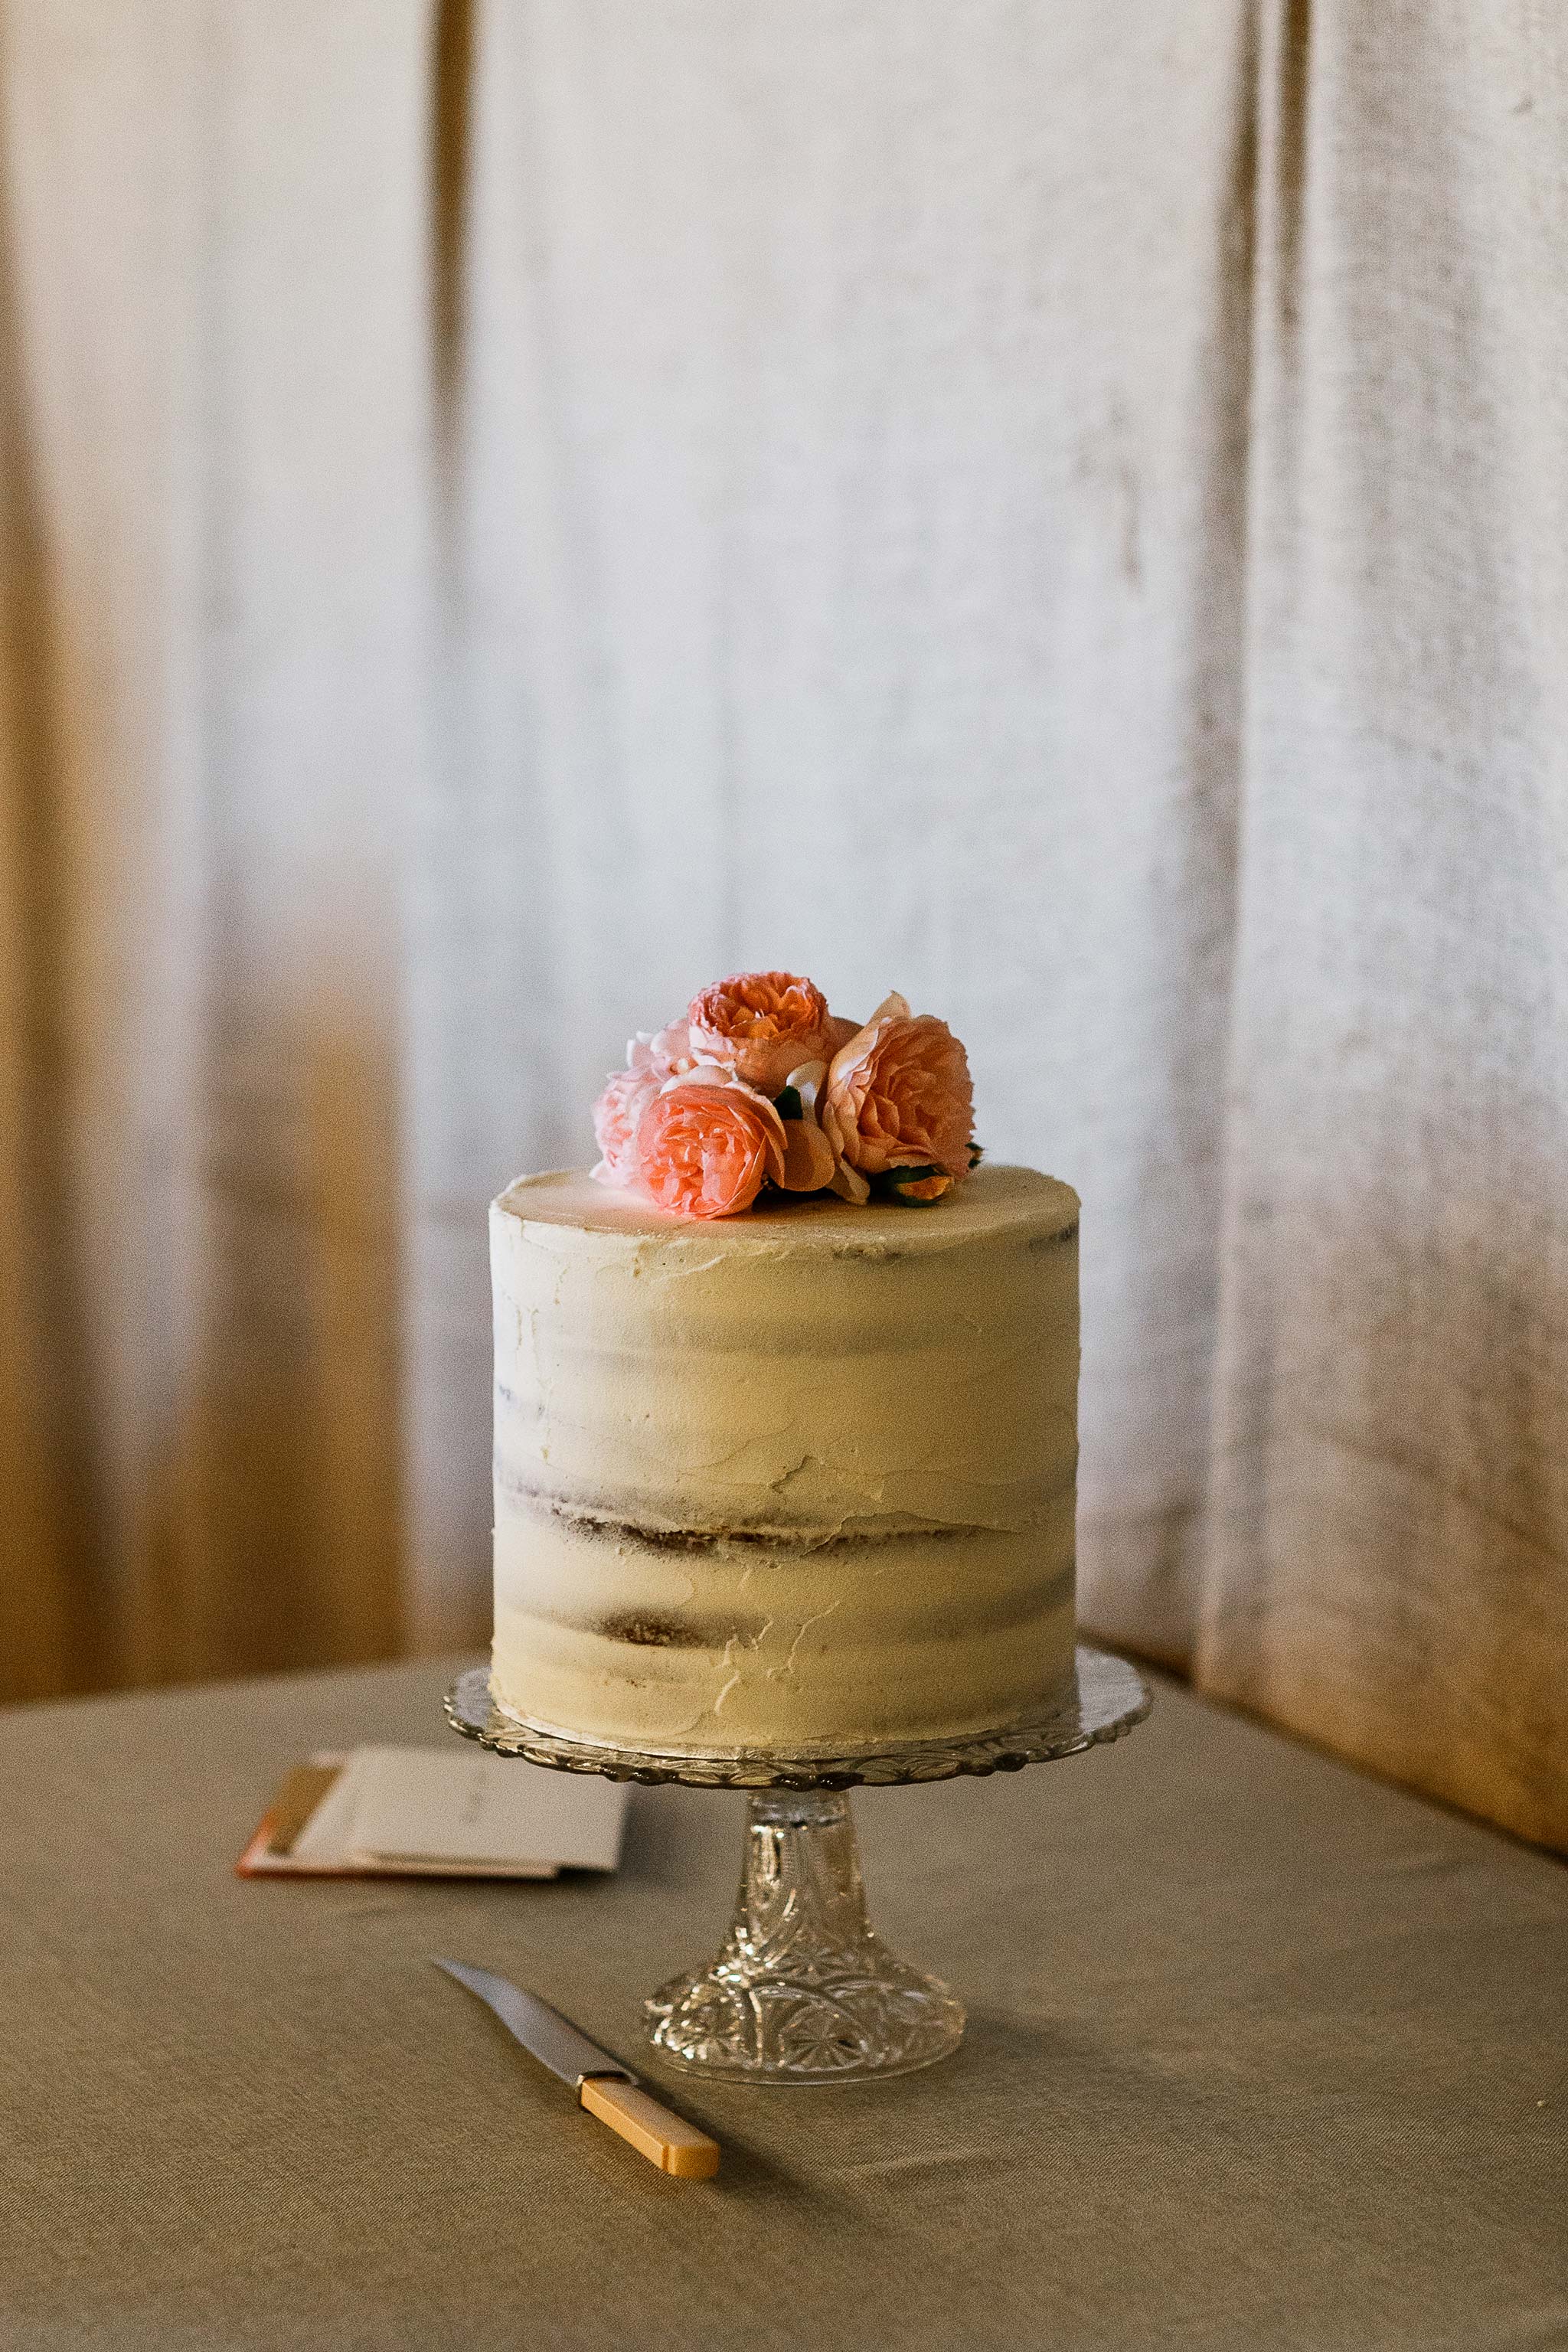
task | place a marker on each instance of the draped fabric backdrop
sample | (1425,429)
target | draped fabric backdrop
(513,510)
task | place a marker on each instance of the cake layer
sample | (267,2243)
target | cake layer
(801,1479)
(743,1644)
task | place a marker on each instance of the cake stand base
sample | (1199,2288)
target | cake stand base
(805,1990)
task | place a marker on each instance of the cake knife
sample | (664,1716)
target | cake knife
(606,2089)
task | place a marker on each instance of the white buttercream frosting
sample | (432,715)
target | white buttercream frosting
(800,1479)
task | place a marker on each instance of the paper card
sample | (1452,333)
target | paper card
(417,1804)
(422,1812)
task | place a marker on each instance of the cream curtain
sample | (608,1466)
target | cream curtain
(510,510)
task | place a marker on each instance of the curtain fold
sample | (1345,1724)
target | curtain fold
(515,506)
(217,383)
(1386,1572)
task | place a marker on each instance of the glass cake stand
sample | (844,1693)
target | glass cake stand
(804,1989)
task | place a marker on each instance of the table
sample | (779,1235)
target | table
(1262,2053)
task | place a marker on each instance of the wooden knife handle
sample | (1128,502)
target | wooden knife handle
(674,2146)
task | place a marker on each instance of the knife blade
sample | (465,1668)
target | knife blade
(544,2032)
(608,2089)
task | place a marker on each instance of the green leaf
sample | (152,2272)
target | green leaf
(789,1105)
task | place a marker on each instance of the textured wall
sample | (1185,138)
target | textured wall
(513,510)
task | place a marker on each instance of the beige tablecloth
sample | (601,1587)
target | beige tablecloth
(1261,2053)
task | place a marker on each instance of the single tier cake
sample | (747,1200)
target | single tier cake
(800,1480)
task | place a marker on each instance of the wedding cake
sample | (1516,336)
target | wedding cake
(785,1402)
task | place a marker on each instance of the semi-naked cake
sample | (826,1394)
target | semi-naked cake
(799,1479)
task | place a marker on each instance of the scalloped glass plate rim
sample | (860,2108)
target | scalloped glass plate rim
(1111,1696)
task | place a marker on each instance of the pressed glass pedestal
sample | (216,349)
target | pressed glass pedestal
(803,1991)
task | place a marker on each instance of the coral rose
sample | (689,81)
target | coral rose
(899,1096)
(704,1148)
(761,1025)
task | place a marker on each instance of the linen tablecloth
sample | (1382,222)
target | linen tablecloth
(1261,2053)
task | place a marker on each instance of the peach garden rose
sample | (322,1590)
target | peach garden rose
(761,1025)
(899,1095)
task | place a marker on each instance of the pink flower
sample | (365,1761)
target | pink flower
(651,1059)
(706,1147)
(617,1114)
(670,1050)
(899,1095)
(761,1025)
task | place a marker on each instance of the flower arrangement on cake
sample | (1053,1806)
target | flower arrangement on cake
(761,1087)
